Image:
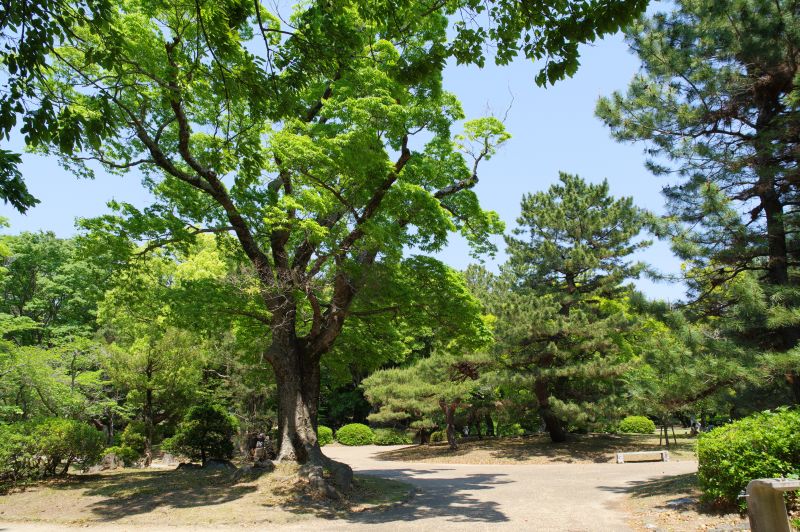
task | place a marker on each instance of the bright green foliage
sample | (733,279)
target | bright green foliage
(560,305)
(134,437)
(324,435)
(206,433)
(355,434)
(509,429)
(637,425)
(765,445)
(128,455)
(392,437)
(46,447)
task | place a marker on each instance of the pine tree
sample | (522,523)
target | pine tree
(558,303)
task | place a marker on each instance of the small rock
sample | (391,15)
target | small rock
(189,465)
(110,461)
(218,464)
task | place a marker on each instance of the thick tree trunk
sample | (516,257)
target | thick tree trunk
(298,379)
(551,421)
(449,410)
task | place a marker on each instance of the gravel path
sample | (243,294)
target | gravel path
(563,497)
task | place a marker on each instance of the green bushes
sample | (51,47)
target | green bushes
(46,447)
(392,437)
(134,437)
(206,433)
(128,455)
(760,446)
(440,436)
(514,429)
(637,425)
(324,435)
(355,434)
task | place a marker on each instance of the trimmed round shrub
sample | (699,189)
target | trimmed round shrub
(206,433)
(355,434)
(324,435)
(440,436)
(637,425)
(392,437)
(764,445)
(128,455)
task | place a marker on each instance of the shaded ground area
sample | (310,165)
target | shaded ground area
(538,449)
(188,497)
(673,504)
(559,496)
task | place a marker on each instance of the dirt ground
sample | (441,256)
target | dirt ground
(147,498)
(538,449)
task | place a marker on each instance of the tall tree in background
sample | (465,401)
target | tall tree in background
(560,318)
(717,106)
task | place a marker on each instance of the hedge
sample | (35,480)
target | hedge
(355,434)
(324,435)
(637,425)
(764,445)
(392,437)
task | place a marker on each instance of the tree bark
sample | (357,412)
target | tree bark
(551,422)
(449,410)
(298,378)
(489,425)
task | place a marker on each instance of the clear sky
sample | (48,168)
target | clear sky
(553,130)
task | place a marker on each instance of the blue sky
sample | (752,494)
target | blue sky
(552,129)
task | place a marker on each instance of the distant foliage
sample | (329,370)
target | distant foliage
(45,448)
(637,425)
(324,435)
(392,437)
(355,434)
(128,455)
(206,433)
(133,437)
(440,436)
(514,429)
(763,445)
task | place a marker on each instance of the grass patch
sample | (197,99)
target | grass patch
(191,497)
(538,449)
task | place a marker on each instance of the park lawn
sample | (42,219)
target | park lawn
(191,497)
(538,449)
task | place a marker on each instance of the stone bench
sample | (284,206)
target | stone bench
(765,507)
(621,456)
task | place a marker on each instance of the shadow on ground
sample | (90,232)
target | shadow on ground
(131,494)
(448,498)
(596,448)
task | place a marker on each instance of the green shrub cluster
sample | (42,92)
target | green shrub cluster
(514,429)
(128,455)
(392,437)
(206,433)
(637,425)
(355,434)
(764,445)
(324,435)
(46,447)
(133,437)
(440,436)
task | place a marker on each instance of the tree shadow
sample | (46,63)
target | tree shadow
(675,492)
(579,448)
(132,493)
(433,497)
